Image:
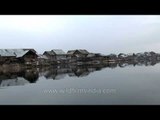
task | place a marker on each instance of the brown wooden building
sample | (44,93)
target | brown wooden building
(50,55)
(79,54)
(57,55)
(26,56)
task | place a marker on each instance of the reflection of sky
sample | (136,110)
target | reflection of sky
(104,34)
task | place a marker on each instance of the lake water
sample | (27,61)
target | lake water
(82,85)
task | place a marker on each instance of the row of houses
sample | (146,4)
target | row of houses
(30,56)
(144,56)
(58,56)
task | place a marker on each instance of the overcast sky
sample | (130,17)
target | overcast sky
(98,33)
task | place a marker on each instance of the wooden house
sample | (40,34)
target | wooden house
(6,56)
(79,54)
(43,60)
(55,55)
(60,55)
(26,56)
(50,55)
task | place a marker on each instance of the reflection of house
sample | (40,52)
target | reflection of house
(50,73)
(9,79)
(13,82)
(91,69)
(78,54)
(123,65)
(31,75)
(60,73)
(55,74)
(18,55)
(112,65)
(80,72)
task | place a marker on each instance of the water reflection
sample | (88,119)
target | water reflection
(22,76)
(12,77)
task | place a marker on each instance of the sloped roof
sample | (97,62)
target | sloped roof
(58,51)
(49,52)
(5,52)
(30,50)
(83,51)
(19,52)
(13,52)
(71,51)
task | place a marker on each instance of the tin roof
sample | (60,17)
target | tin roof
(13,52)
(58,51)
(83,51)
(71,51)
(49,52)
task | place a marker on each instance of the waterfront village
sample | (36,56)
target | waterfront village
(30,57)
(22,66)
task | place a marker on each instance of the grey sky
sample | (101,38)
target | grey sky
(98,33)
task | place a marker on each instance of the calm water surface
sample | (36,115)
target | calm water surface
(82,86)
